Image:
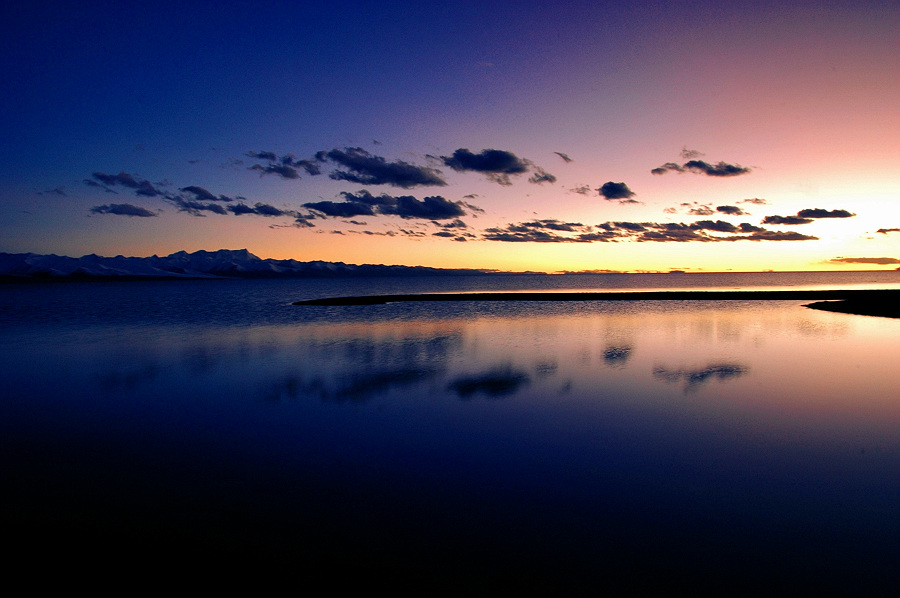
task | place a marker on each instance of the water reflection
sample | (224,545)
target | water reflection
(493,384)
(610,438)
(356,386)
(694,377)
(616,355)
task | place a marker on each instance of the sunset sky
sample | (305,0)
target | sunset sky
(548,136)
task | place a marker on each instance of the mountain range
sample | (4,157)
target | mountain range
(224,263)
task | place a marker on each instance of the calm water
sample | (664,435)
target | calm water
(545,446)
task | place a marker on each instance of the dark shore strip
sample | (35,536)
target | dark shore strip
(882,301)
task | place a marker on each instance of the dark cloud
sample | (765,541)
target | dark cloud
(701,211)
(550,224)
(93,183)
(730,210)
(807,216)
(629,226)
(430,208)
(565,157)
(786,220)
(541,176)
(367,169)
(498,165)
(885,231)
(405,206)
(456,223)
(259,209)
(613,191)
(341,209)
(718,226)
(140,186)
(202,194)
(689,154)
(722,169)
(456,236)
(777,235)
(528,236)
(284,166)
(471,207)
(755,200)
(123,209)
(666,168)
(865,260)
(270,156)
(582,190)
(283,170)
(551,231)
(820,213)
(196,208)
(746,227)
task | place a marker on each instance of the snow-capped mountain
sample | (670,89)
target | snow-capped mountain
(224,263)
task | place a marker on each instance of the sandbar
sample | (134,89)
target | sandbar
(877,302)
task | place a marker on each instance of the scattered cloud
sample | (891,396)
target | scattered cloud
(541,176)
(820,213)
(259,209)
(695,166)
(140,186)
(550,231)
(364,203)
(865,260)
(614,191)
(123,209)
(702,210)
(284,166)
(786,220)
(582,190)
(457,223)
(341,209)
(367,169)
(498,165)
(730,210)
(196,208)
(755,200)
(202,194)
(565,157)
(885,231)
(270,156)
(807,216)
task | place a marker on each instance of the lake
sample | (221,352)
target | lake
(487,447)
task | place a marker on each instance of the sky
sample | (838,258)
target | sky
(538,136)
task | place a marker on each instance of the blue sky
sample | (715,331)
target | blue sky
(771,128)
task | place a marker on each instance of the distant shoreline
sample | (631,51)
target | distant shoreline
(881,302)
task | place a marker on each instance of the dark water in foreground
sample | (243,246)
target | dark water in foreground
(491,447)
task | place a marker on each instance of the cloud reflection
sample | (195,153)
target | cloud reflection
(495,383)
(694,378)
(357,387)
(616,355)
